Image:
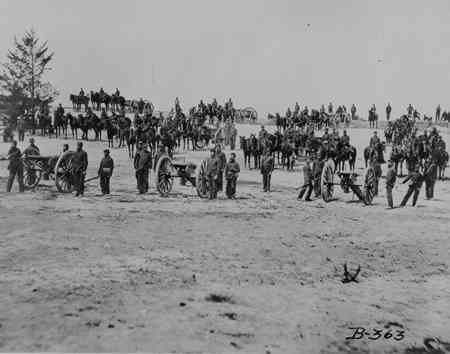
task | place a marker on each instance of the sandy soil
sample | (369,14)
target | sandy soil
(136,273)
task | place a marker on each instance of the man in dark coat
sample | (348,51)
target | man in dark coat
(267,167)
(142,165)
(32,149)
(232,170)
(222,160)
(105,171)
(317,173)
(307,182)
(430,176)
(212,171)
(79,166)
(15,167)
(415,183)
(388,111)
(391,176)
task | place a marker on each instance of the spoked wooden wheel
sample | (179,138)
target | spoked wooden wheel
(202,183)
(326,181)
(164,176)
(32,174)
(369,185)
(64,173)
(200,143)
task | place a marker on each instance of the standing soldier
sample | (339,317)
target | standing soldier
(307,182)
(212,170)
(142,165)
(15,167)
(388,111)
(161,152)
(21,127)
(353,111)
(233,136)
(79,166)
(222,161)
(232,170)
(105,171)
(267,167)
(317,172)
(430,176)
(438,112)
(415,183)
(391,176)
(330,108)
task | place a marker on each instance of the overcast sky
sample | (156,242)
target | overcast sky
(265,54)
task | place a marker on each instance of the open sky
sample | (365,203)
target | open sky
(265,54)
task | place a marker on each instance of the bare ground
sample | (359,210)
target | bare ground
(180,274)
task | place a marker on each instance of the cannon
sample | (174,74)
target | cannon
(56,168)
(167,170)
(348,183)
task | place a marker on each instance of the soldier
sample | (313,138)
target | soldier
(212,170)
(105,171)
(430,176)
(353,111)
(374,140)
(326,135)
(222,161)
(142,165)
(15,167)
(375,165)
(267,167)
(32,149)
(415,183)
(81,94)
(438,112)
(79,166)
(345,138)
(262,133)
(233,136)
(388,111)
(330,108)
(232,170)
(65,148)
(307,182)
(391,176)
(21,128)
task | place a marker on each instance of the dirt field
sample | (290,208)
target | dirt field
(258,274)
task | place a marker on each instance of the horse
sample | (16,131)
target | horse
(124,130)
(117,102)
(77,101)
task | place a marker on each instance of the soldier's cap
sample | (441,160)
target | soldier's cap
(106,150)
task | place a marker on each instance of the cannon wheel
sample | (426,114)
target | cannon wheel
(32,174)
(326,181)
(63,173)
(164,176)
(369,185)
(202,184)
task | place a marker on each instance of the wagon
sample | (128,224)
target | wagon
(348,182)
(167,170)
(57,168)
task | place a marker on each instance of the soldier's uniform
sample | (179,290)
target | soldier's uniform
(79,166)
(267,166)
(105,171)
(317,172)
(430,176)
(415,183)
(307,183)
(232,170)
(391,177)
(15,168)
(222,161)
(142,165)
(233,135)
